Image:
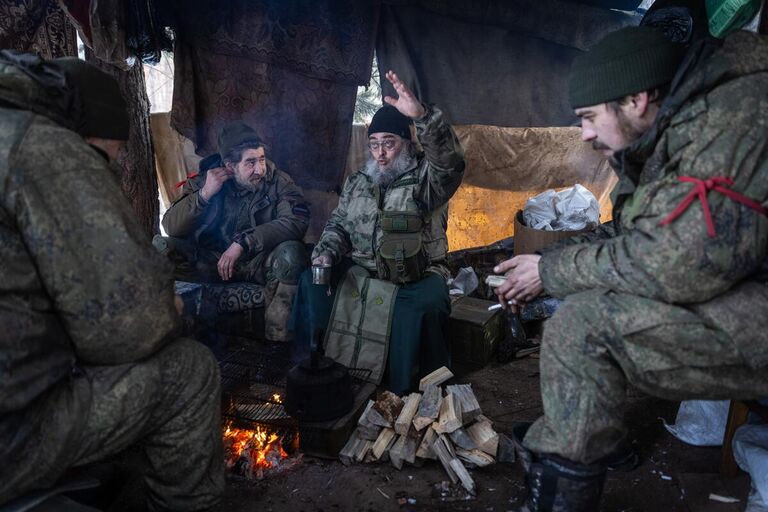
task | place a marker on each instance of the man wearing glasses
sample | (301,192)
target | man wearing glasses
(236,212)
(387,244)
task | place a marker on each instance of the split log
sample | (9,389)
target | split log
(470,408)
(445,457)
(388,406)
(347,454)
(425,448)
(435,378)
(403,421)
(450,415)
(461,439)
(484,437)
(429,407)
(396,452)
(363,448)
(476,457)
(383,443)
(366,428)
(463,474)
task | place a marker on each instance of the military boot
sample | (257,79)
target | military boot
(555,484)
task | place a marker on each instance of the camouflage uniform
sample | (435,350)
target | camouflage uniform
(354,229)
(260,221)
(88,363)
(675,312)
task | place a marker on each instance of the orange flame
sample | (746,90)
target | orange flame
(263,449)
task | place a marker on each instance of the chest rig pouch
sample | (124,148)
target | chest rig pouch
(401,257)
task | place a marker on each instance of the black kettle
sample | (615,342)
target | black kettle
(318,388)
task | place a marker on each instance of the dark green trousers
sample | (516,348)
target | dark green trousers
(417,344)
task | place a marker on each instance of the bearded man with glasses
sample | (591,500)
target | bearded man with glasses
(387,244)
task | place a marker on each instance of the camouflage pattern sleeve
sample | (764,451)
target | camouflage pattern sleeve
(335,239)
(444,156)
(110,288)
(725,135)
(186,213)
(291,220)
(601,232)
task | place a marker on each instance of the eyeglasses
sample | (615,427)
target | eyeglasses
(390,144)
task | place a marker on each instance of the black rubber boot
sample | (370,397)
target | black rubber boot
(555,484)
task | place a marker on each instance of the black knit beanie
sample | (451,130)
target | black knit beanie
(388,119)
(234,134)
(104,110)
(627,61)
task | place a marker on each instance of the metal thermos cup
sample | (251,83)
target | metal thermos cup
(321,274)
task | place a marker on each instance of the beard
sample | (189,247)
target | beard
(385,176)
(248,185)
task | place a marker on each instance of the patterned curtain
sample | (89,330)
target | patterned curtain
(37,26)
(290,73)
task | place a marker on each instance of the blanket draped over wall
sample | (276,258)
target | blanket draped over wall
(36,26)
(290,72)
(489,62)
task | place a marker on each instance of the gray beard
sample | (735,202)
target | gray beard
(384,177)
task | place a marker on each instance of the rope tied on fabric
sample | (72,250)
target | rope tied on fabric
(700,190)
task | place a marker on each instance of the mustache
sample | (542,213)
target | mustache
(597,146)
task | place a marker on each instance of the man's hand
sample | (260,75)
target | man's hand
(323,259)
(523,282)
(406,103)
(226,265)
(214,180)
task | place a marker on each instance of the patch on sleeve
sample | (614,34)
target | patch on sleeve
(300,209)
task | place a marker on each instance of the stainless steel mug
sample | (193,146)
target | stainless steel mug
(321,274)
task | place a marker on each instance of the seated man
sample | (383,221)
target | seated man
(391,218)
(240,219)
(88,360)
(672,298)
(234,213)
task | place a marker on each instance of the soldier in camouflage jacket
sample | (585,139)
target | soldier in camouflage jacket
(672,296)
(89,361)
(232,215)
(402,181)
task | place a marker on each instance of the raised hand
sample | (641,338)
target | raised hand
(214,180)
(406,102)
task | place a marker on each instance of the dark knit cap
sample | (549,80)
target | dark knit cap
(103,108)
(235,134)
(627,61)
(210,162)
(388,119)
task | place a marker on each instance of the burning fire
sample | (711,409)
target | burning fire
(250,452)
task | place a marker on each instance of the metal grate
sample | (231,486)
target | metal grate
(250,382)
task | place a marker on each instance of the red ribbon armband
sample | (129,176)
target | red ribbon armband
(700,190)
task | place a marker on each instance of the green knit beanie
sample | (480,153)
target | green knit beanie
(104,109)
(627,61)
(234,134)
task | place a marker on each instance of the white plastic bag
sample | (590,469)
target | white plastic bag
(750,449)
(464,283)
(570,209)
(700,422)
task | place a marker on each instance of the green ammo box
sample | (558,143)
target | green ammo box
(474,333)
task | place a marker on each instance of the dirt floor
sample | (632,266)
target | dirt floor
(672,476)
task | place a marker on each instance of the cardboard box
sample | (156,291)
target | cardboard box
(528,240)
(473,333)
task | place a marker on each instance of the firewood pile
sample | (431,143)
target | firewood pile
(439,423)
